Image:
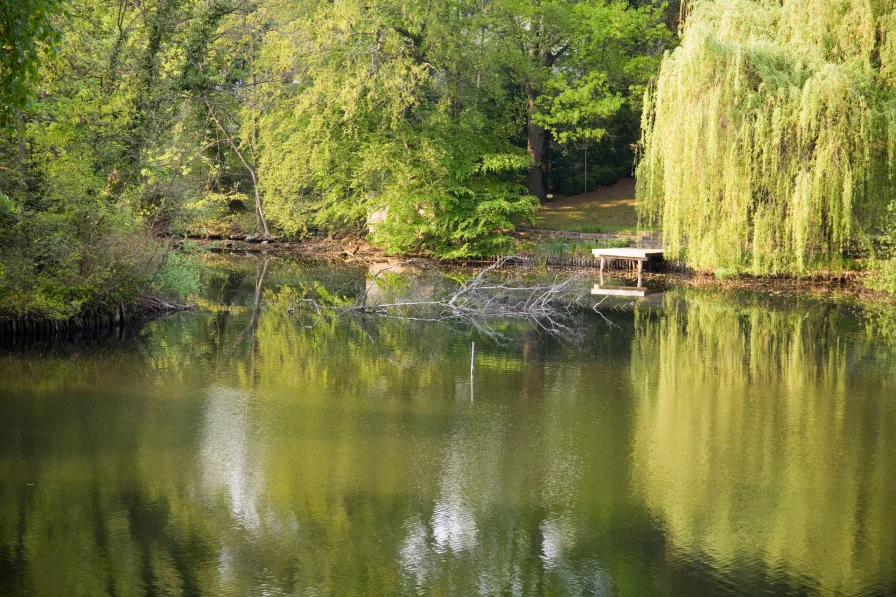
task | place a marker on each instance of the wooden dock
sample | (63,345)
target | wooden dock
(640,256)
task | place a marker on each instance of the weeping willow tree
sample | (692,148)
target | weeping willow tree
(770,134)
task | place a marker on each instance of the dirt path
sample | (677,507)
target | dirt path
(607,209)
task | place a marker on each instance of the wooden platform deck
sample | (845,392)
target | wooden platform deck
(628,253)
(638,255)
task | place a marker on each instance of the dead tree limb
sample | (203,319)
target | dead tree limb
(479,301)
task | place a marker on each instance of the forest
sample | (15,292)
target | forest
(135,120)
(761,132)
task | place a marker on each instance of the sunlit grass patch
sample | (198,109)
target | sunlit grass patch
(608,209)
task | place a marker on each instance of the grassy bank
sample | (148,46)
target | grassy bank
(608,209)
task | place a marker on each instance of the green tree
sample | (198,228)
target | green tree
(418,110)
(769,137)
(381,112)
(160,113)
(85,157)
(26,30)
(577,64)
(220,50)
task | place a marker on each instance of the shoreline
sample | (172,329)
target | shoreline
(355,250)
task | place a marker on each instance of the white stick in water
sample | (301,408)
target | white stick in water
(472,367)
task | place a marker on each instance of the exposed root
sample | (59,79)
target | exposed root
(151,306)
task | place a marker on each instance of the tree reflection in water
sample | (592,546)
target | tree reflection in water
(765,436)
(711,446)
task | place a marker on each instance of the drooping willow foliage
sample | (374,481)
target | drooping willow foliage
(770,135)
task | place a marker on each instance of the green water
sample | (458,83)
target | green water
(705,444)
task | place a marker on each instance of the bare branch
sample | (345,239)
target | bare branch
(483,298)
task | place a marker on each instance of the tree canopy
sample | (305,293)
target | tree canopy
(433,109)
(770,135)
(26,28)
(454,117)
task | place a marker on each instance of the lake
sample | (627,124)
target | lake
(692,443)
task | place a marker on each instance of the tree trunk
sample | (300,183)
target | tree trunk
(23,150)
(535,179)
(261,222)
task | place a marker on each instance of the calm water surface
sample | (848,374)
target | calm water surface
(708,444)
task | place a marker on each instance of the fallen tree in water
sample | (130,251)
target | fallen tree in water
(151,306)
(478,301)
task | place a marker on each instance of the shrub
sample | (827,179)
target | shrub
(882,267)
(62,264)
(882,276)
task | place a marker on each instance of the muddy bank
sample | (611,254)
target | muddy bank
(122,316)
(344,248)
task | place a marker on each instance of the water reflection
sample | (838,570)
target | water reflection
(709,446)
(453,521)
(764,440)
(228,469)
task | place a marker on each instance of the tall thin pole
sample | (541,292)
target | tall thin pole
(586,168)
(472,368)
